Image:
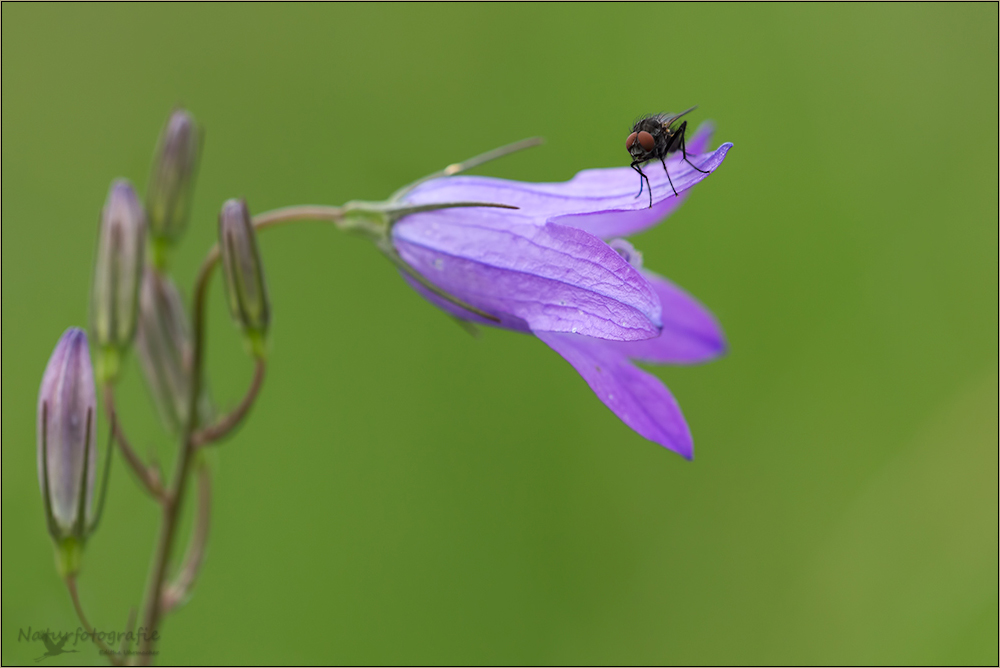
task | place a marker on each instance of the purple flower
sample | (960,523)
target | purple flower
(555,267)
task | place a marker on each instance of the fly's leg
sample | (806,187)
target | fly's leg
(669,180)
(636,167)
(684,152)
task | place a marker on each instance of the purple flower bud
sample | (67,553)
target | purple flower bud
(117,272)
(67,436)
(164,346)
(246,289)
(171,184)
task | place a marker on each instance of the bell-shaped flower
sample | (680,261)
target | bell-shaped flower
(548,269)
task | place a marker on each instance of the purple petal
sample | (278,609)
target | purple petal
(553,277)
(602,202)
(690,334)
(636,396)
(507,321)
(625,214)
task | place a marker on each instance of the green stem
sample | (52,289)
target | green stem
(75,595)
(148,476)
(154,609)
(211,434)
(345,218)
(180,588)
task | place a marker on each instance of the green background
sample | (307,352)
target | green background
(404,493)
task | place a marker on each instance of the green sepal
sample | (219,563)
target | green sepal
(159,252)
(108,365)
(69,556)
(256,343)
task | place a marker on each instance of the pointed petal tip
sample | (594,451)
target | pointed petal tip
(687,452)
(678,443)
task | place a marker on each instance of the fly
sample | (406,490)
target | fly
(656,137)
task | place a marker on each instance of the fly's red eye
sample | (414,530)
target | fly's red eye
(630,141)
(646,141)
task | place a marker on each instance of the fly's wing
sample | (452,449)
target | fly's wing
(669,119)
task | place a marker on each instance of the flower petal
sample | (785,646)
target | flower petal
(636,396)
(624,213)
(555,278)
(600,201)
(507,321)
(690,334)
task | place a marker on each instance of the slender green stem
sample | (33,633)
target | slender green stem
(129,628)
(171,508)
(180,588)
(147,475)
(191,437)
(211,434)
(75,595)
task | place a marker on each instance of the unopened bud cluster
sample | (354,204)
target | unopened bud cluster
(127,294)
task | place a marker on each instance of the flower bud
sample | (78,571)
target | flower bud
(117,272)
(171,184)
(246,289)
(165,351)
(67,442)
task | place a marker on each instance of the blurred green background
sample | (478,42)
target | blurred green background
(404,493)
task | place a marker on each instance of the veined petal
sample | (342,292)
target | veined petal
(602,202)
(690,334)
(553,277)
(625,214)
(637,397)
(507,321)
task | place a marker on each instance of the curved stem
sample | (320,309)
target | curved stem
(129,628)
(154,609)
(282,216)
(289,214)
(231,420)
(148,476)
(74,594)
(171,509)
(180,588)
